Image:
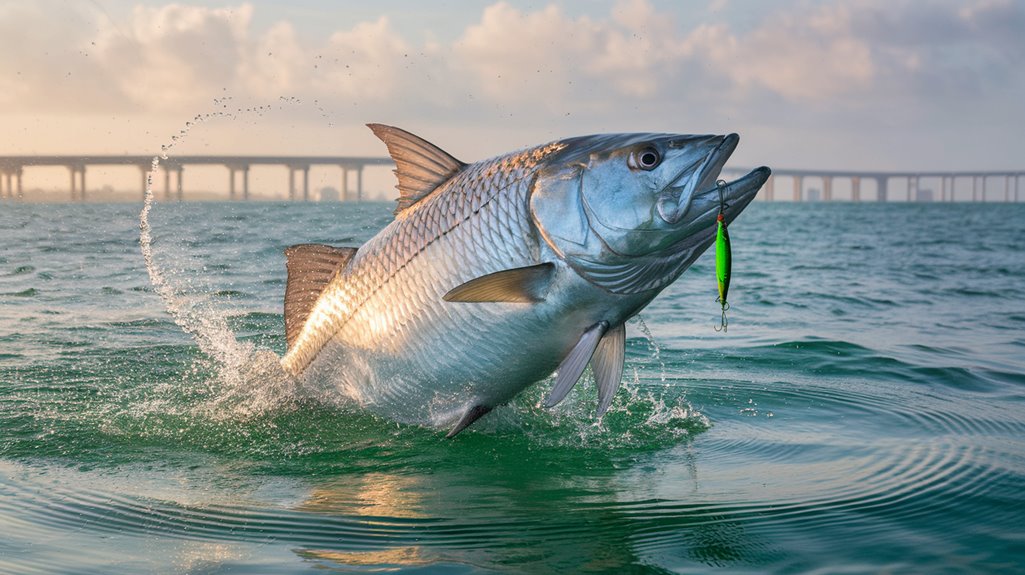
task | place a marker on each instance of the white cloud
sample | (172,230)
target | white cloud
(549,69)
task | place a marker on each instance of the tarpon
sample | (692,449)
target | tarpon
(496,274)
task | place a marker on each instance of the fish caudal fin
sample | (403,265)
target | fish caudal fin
(521,285)
(607,365)
(311,267)
(420,165)
(573,366)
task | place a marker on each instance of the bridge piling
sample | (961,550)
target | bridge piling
(798,188)
(359,183)
(882,191)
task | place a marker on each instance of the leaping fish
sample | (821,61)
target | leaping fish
(496,274)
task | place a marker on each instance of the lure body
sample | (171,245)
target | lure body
(723,260)
(723,263)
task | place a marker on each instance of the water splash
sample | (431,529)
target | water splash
(248,380)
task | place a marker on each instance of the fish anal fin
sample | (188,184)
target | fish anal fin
(310,269)
(473,414)
(520,285)
(419,165)
(573,366)
(607,366)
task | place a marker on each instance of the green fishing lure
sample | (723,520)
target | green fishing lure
(723,258)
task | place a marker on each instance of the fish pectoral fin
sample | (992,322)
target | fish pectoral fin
(473,414)
(419,165)
(607,366)
(310,269)
(573,366)
(520,285)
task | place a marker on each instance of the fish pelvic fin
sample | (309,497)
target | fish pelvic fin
(473,414)
(607,366)
(311,267)
(519,285)
(419,165)
(573,366)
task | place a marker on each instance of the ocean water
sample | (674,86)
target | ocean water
(865,412)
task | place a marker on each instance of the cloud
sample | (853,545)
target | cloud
(834,64)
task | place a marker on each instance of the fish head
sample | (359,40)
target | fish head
(637,207)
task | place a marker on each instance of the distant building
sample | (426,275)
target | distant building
(813,195)
(329,194)
(923,195)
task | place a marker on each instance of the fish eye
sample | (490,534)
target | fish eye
(646,158)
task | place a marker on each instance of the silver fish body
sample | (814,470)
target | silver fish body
(392,330)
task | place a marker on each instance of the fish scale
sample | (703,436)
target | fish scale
(456,217)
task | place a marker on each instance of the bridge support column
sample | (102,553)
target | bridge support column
(975,189)
(882,193)
(167,184)
(2,194)
(856,189)
(306,183)
(359,183)
(231,183)
(245,183)
(912,188)
(17,177)
(180,190)
(145,180)
(77,182)
(291,183)
(798,185)
(770,186)
(1007,188)
(345,184)
(5,183)
(827,188)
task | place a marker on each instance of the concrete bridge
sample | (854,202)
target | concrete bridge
(12,169)
(947,182)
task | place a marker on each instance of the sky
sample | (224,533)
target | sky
(838,84)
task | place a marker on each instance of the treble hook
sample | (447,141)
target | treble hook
(725,323)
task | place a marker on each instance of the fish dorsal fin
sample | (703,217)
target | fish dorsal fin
(420,165)
(310,268)
(521,285)
(573,366)
(607,365)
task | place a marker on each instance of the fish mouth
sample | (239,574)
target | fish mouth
(736,195)
(676,200)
